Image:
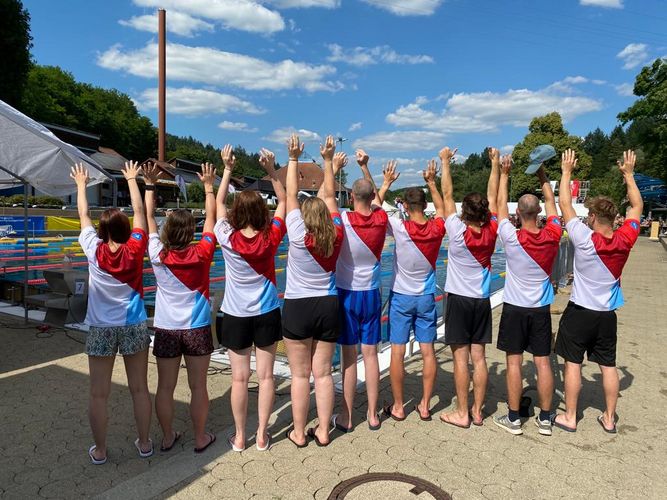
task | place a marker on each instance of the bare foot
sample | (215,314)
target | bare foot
(477,417)
(423,413)
(373,418)
(456,419)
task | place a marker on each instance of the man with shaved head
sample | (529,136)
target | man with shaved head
(358,281)
(525,324)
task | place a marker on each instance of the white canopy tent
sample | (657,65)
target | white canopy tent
(579,208)
(31,155)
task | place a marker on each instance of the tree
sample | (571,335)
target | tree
(15,45)
(648,118)
(547,129)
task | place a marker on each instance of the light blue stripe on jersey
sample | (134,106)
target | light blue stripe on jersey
(616,299)
(201,312)
(486,283)
(547,293)
(136,312)
(268,301)
(429,283)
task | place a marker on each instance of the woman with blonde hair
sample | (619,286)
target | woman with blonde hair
(249,238)
(310,312)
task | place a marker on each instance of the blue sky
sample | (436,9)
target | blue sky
(400,78)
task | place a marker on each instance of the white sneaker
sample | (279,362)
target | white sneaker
(543,426)
(504,422)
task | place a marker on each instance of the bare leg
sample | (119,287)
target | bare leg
(572,389)
(460,415)
(136,368)
(299,358)
(611,386)
(372,369)
(396,375)
(429,374)
(100,368)
(240,361)
(545,381)
(167,378)
(514,380)
(349,385)
(265,358)
(324,388)
(480,378)
(197,367)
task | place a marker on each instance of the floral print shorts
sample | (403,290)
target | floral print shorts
(109,340)
(190,342)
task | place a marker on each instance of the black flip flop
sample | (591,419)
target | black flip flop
(423,418)
(334,421)
(562,427)
(288,433)
(204,448)
(311,434)
(608,431)
(387,412)
(177,436)
(374,427)
(444,421)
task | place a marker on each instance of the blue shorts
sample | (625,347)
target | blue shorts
(412,312)
(360,313)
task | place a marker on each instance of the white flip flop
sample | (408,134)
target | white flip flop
(266,446)
(144,454)
(93,460)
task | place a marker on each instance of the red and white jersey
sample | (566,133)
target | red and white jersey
(359,262)
(308,273)
(115,282)
(469,257)
(416,252)
(250,268)
(182,277)
(598,263)
(529,261)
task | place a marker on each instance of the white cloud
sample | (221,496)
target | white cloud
(611,4)
(488,111)
(399,141)
(300,4)
(633,55)
(364,56)
(179,24)
(407,7)
(507,149)
(598,82)
(236,126)
(355,126)
(575,79)
(193,102)
(281,135)
(211,66)
(625,89)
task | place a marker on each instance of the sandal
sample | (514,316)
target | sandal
(311,434)
(445,419)
(387,411)
(477,423)
(562,427)
(266,446)
(288,434)
(339,426)
(144,454)
(93,460)
(601,422)
(231,440)
(374,427)
(203,448)
(421,417)
(177,436)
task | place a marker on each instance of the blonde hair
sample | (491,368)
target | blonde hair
(317,219)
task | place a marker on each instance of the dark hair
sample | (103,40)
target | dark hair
(415,198)
(178,230)
(114,225)
(603,208)
(475,208)
(249,209)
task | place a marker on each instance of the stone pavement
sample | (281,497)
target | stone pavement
(45,434)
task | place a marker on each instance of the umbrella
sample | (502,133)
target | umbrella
(31,155)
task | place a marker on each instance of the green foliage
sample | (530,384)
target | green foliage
(40,201)
(15,45)
(195,192)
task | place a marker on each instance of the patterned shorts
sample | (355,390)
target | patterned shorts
(109,340)
(190,342)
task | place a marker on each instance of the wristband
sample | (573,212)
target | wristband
(210,192)
(131,179)
(150,187)
(294,159)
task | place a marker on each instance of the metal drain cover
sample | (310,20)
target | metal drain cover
(387,485)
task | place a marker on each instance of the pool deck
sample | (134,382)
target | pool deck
(45,433)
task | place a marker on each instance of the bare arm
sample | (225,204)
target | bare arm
(229,160)
(362,160)
(503,188)
(568,163)
(494,179)
(328,188)
(549,198)
(207,177)
(294,148)
(390,176)
(627,168)
(131,172)
(151,175)
(429,177)
(80,176)
(446,155)
(268,161)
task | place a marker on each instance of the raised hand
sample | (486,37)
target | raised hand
(494,155)
(267,160)
(80,174)
(362,157)
(430,171)
(339,162)
(228,158)
(327,150)
(568,161)
(295,147)
(446,154)
(151,173)
(390,174)
(506,164)
(131,170)
(629,160)
(207,175)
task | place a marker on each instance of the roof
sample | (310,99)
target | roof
(311,177)
(110,162)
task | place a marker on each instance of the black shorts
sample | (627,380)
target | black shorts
(311,317)
(525,329)
(467,320)
(237,333)
(582,331)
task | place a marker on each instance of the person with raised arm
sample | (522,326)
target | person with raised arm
(182,320)
(250,238)
(358,282)
(588,324)
(472,241)
(116,314)
(412,297)
(310,312)
(525,324)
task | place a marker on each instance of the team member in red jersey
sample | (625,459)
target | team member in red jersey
(588,325)
(116,314)
(182,309)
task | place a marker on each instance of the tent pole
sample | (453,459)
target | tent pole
(114,192)
(25,251)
